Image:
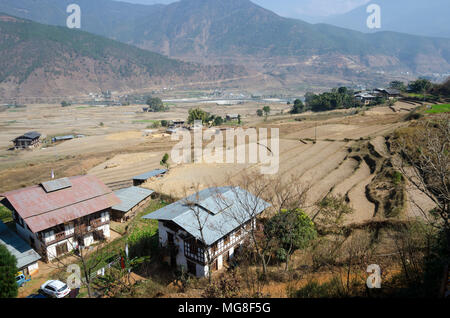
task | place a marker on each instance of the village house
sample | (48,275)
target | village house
(226,215)
(142,178)
(29,140)
(132,200)
(388,93)
(27,258)
(60,215)
(365,98)
(230,117)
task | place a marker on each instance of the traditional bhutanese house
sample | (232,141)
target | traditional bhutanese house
(388,93)
(226,216)
(230,117)
(60,215)
(27,258)
(142,178)
(29,140)
(132,200)
(365,98)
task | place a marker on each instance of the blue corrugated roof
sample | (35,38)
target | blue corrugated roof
(24,254)
(131,197)
(220,210)
(150,174)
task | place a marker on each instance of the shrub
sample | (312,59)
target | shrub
(8,271)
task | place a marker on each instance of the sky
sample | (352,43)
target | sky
(293,8)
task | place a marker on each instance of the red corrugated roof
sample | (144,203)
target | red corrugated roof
(42,210)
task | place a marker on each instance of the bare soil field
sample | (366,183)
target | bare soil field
(313,147)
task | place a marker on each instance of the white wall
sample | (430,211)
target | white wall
(202,270)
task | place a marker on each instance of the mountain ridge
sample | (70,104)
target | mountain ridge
(42,60)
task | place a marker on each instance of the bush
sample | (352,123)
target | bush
(8,271)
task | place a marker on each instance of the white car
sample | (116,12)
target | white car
(55,288)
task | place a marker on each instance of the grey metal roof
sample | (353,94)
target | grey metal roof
(220,211)
(131,197)
(150,174)
(24,254)
(29,135)
(67,137)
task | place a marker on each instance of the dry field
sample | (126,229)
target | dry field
(117,150)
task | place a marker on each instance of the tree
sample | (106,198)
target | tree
(239,119)
(425,163)
(298,107)
(259,112)
(420,86)
(165,161)
(197,114)
(398,85)
(65,104)
(8,271)
(292,229)
(218,121)
(266,110)
(156,105)
(164,123)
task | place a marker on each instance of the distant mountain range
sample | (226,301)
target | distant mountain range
(283,51)
(427,18)
(232,30)
(39,60)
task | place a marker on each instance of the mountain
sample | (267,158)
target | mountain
(426,18)
(43,61)
(239,31)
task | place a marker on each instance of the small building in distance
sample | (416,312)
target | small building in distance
(231,117)
(62,138)
(29,140)
(27,258)
(132,200)
(60,215)
(388,93)
(365,97)
(142,178)
(227,215)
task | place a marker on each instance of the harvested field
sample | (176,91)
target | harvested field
(316,149)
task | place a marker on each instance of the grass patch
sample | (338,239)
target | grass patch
(5,215)
(437,109)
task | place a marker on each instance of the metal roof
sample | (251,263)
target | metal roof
(42,210)
(131,197)
(30,135)
(68,137)
(24,254)
(220,210)
(150,174)
(55,185)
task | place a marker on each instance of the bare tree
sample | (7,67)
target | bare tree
(201,225)
(425,163)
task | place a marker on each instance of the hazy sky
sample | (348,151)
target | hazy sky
(293,8)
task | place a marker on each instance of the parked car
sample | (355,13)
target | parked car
(21,279)
(55,288)
(36,296)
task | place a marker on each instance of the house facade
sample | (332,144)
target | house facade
(29,140)
(133,199)
(207,229)
(58,216)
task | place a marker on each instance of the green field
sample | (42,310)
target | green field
(436,109)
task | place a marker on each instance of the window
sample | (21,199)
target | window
(61,249)
(226,240)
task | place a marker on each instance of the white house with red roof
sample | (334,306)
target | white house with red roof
(60,215)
